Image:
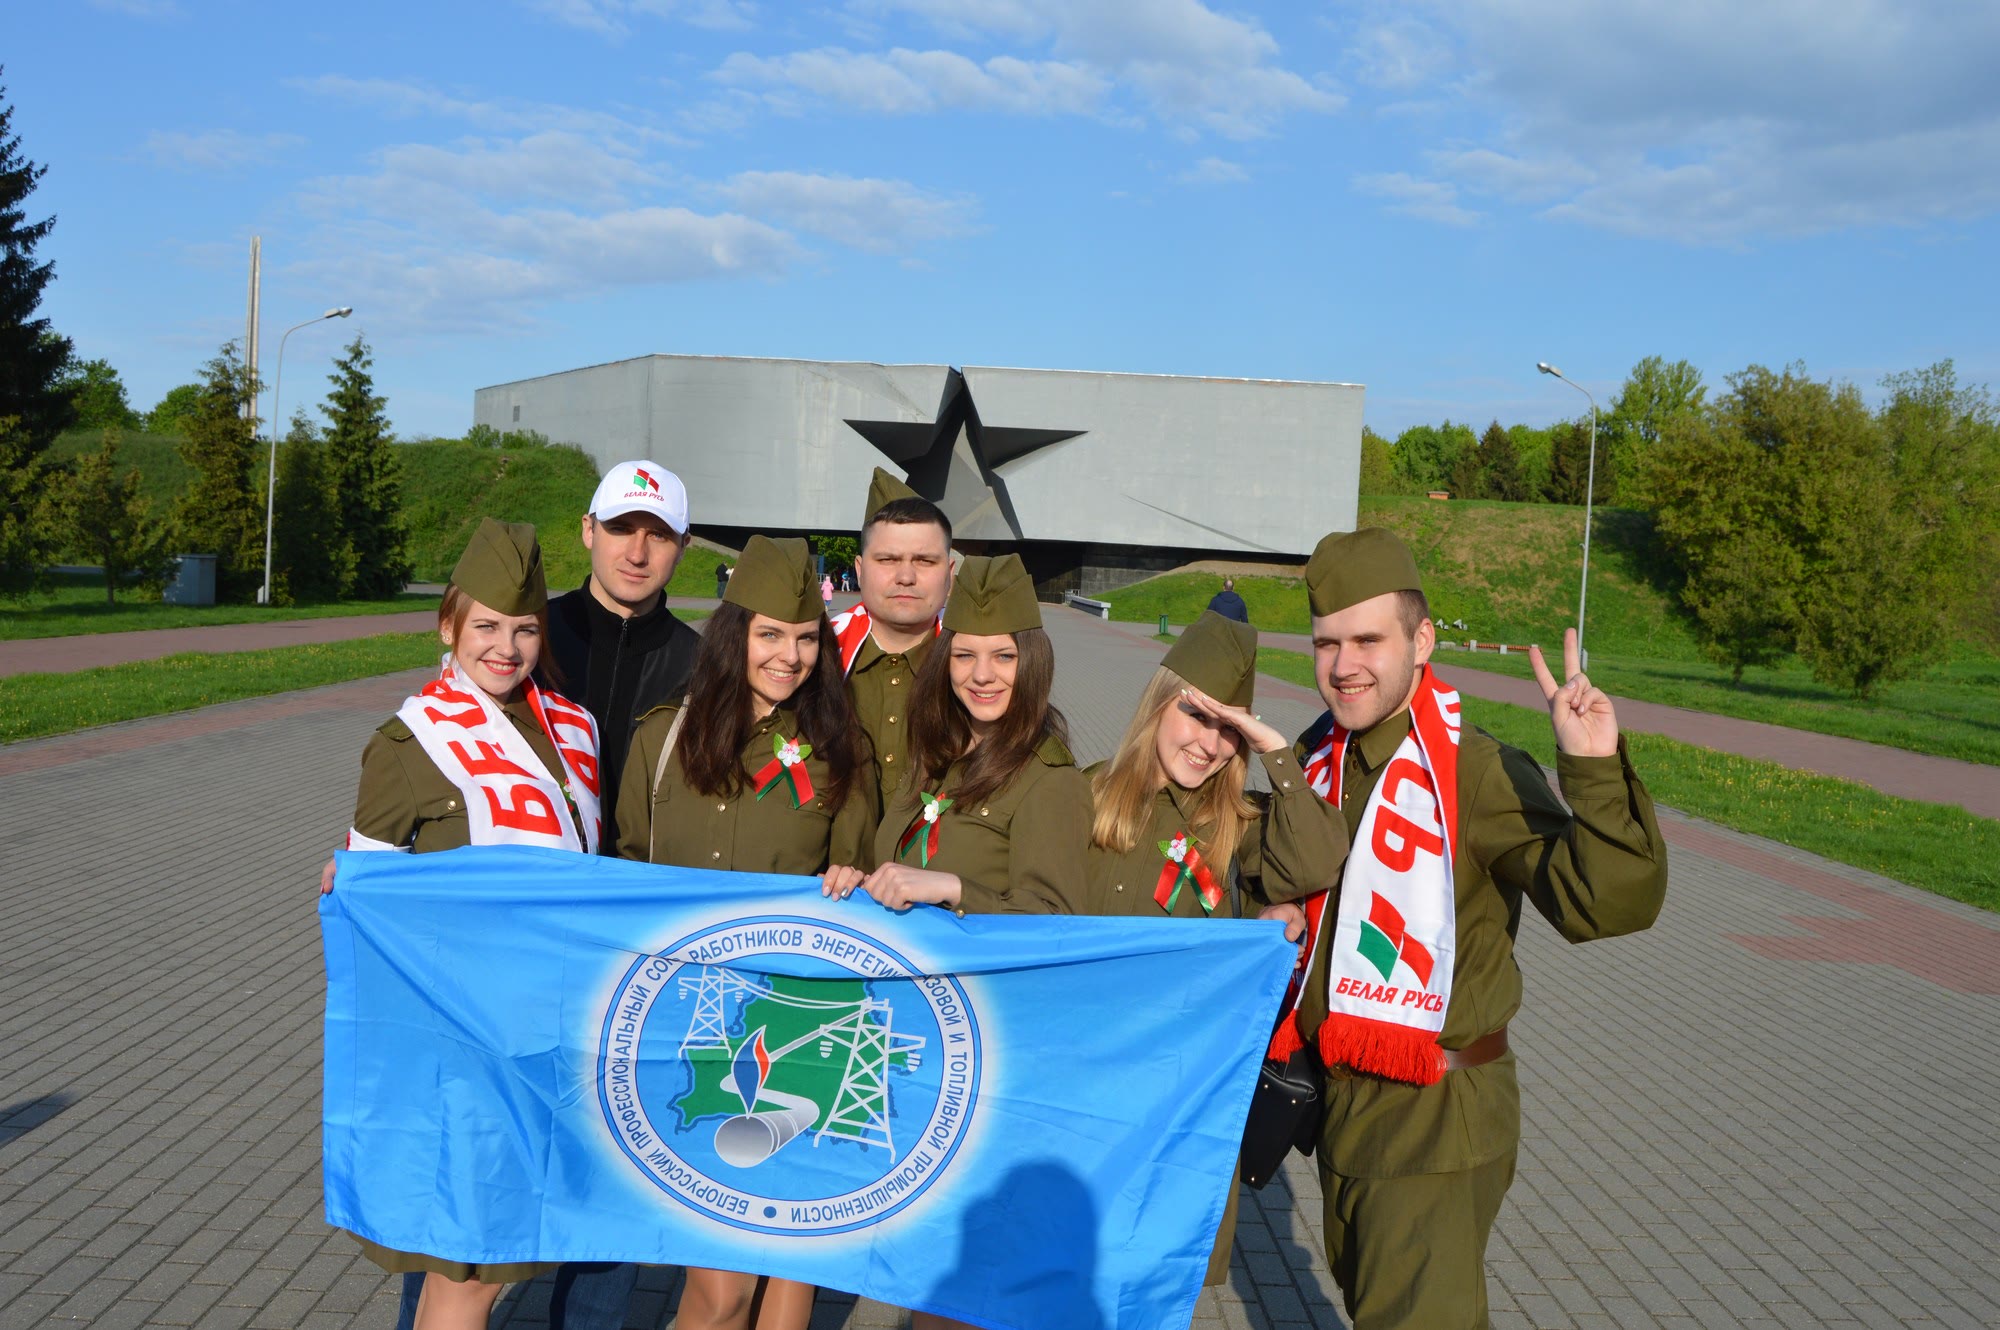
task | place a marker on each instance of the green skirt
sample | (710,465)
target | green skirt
(406,1263)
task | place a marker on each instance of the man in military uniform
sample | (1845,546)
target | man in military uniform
(905,572)
(1411,978)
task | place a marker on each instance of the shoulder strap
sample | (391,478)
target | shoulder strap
(667,750)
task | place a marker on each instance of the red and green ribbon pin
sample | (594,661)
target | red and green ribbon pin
(1184,865)
(788,761)
(923,831)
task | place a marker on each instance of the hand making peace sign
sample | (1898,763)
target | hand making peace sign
(1584,722)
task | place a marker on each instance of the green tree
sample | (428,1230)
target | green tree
(171,411)
(1501,466)
(32,356)
(1570,465)
(1378,468)
(367,478)
(1720,510)
(1532,447)
(309,559)
(99,396)
(1425,455)
(222,510)
(838,551)
(1468,474)
(106,517)
(28,537)
(1656,394)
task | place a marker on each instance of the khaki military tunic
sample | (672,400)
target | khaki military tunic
(1019,851)
(1598,874)
(674,825)
(1298,839)
(405,800)
(880,684)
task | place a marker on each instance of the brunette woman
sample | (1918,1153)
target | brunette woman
(419,792)
(1176,833)
(761,769)
(994,815)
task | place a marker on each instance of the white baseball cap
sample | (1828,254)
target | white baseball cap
(641,487)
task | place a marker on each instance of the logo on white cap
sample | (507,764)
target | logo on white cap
(641,487)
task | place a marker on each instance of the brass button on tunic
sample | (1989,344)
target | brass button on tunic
(876,672)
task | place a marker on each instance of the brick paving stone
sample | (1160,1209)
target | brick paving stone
(1703,1144)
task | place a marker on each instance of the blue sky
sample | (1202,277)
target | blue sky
(1423,198)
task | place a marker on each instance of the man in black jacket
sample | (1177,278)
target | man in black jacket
(619,650)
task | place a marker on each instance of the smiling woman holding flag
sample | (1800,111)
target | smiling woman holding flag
(480,756)
(993,816)
(761,769)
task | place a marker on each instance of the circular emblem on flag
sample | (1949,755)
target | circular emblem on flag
(815,1101)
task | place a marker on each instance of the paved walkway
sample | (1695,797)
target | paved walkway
(1775,1109)
(1973,786)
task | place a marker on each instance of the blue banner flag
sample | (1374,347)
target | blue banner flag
(533,1055)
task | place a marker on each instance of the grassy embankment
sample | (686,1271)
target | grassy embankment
(447,489)
(1509,571)
(1941,848)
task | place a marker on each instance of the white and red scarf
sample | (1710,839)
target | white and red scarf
(851,628)
(510,796)
(1395,933)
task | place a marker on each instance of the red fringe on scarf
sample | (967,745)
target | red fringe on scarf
(1286,1040)
(1381,1049)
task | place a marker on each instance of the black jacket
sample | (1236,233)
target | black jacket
(619,669)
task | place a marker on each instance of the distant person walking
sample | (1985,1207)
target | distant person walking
(721,580)
(1228,604)
(826,589)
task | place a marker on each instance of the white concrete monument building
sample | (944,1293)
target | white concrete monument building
(1091,477)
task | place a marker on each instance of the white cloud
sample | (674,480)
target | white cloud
(902,82)
(216,149)
(1431,200)
(1213,171)
(610,18)
(407,100)
(880,216)
(1399,54)
(1185,63)
(1716,123)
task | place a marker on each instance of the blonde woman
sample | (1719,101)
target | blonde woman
(1175,832)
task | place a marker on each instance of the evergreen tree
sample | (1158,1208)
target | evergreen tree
(367,478)
(1468,474)
(1570,465)
(308,558)
(32,356)
(222,510)
(1501,466)
(108,519)
(27,530)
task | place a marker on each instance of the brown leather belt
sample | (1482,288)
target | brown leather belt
(1486,1048)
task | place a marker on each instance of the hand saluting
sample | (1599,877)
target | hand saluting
(1584,722)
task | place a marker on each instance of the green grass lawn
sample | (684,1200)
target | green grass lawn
(1950,712)
(35,705)
(1938,847)
(77,606)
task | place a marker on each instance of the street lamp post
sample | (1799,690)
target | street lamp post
(1589,494)
(271,481)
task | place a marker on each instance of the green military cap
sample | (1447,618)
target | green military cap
(775,578)
(502,568)
(1352,566)
(992,595)
(1218,656)
(884,490)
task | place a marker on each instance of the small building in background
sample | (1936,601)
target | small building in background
(1095,479)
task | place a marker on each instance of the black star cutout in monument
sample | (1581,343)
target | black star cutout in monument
(954,461)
